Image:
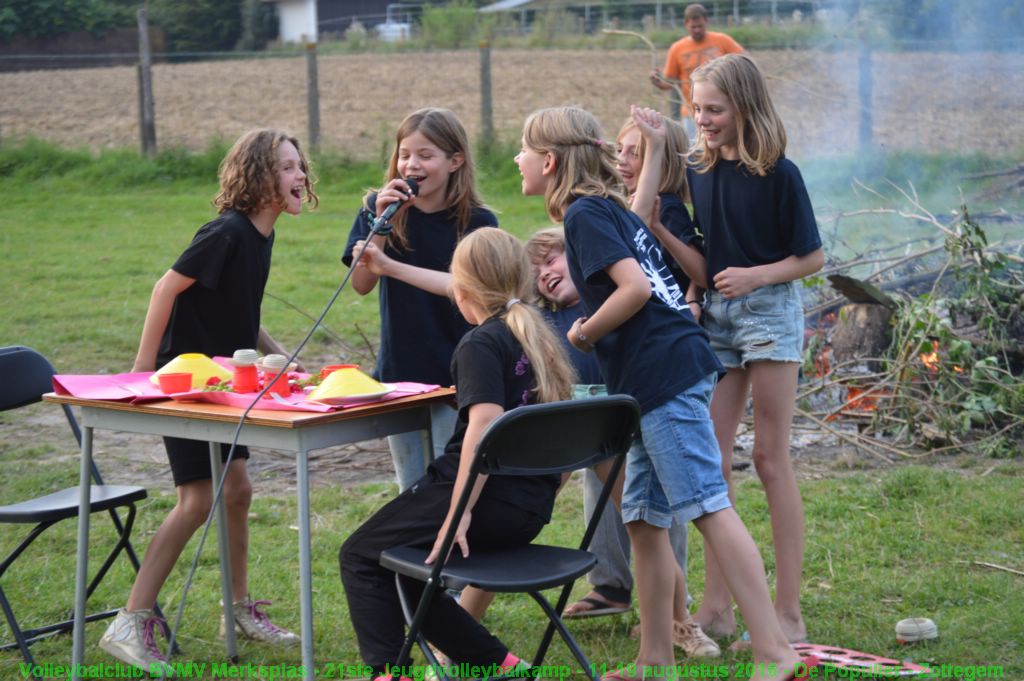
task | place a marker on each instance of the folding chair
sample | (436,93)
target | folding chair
(553,437)
(27,377)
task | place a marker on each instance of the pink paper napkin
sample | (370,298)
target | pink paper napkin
(132,387)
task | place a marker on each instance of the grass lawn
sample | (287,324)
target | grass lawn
(83,239)
(880,548)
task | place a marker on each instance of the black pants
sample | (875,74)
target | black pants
(414,518)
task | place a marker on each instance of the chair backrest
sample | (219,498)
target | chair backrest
(555,437)
(30,376)
(27,376)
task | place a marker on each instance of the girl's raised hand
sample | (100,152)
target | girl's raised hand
(395,190)
(650,123)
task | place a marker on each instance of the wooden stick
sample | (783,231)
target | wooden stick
(993,566)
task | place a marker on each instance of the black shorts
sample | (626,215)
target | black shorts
(190,459)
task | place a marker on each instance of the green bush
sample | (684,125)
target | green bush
(50,18)
(450,26)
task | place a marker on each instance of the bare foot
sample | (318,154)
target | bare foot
(793,627)
(717,624)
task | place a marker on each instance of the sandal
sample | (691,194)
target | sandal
(594,605)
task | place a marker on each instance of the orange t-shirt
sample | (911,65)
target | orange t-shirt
(685,55)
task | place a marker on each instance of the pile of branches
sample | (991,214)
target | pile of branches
(951,376)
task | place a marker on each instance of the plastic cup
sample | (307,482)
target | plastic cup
(279,384)
(175,383)
(331,368)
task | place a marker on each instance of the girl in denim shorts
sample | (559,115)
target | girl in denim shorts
(650,348)
(760,236)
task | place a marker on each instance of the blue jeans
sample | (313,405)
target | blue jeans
(407,453)
(612,577)
(767,324)
(674,471)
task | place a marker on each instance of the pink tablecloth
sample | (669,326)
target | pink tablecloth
(136,388)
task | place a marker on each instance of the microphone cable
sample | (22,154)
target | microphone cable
(375,230)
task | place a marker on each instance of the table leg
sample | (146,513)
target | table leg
(305,563)
(223,545)
(426,434)
(82,558)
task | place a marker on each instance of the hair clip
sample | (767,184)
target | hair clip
(598,143)
(511,302)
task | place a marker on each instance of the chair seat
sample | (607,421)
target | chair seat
(521,569)
(64,504)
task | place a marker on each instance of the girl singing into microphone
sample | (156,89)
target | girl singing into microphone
(419,325)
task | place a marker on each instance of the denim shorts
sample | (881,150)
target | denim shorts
(767,324)
(675,469)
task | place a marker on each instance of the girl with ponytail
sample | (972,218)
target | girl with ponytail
(509,359)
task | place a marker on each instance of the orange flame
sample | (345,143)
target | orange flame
(931,359)
(933,362)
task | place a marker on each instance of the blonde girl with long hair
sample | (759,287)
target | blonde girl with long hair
(650,349)
(651,157)
(760,237)
(419,326)
(510,358)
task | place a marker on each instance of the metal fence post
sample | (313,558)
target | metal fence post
(147,115)
(313,97)
(486,102)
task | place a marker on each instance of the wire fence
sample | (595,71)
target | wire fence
(351,102)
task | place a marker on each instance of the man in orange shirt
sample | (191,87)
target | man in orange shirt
(686,54)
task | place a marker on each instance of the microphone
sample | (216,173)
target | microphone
(380,224)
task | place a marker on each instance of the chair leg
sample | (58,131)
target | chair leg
(556,622)
(420,640)
(122,542)
(19,637)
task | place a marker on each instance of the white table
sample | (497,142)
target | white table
(299,432)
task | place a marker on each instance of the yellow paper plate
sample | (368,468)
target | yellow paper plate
(199,365)
(346,383)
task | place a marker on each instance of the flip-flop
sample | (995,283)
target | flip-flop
(595,607)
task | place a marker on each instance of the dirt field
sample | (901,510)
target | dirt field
(130,459)
(924,101)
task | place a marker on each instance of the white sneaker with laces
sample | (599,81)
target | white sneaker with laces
(131,638)
(691,639)
(252,623)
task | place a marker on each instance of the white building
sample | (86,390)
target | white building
(297,20)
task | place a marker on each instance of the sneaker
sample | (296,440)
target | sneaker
(691,639)
(131,638)
(253,624)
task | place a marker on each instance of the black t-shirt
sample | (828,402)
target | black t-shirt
(659,351)
(588,371)
(489,366)
(418,330)
(749,220)
(676,218)
(220,312)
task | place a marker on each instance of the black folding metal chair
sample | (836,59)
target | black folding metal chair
(27,376)
(553,437)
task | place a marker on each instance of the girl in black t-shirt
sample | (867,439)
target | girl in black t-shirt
(652,162)
(651,348)
(209,302)
(760,237)
(511,358)
(419,326)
